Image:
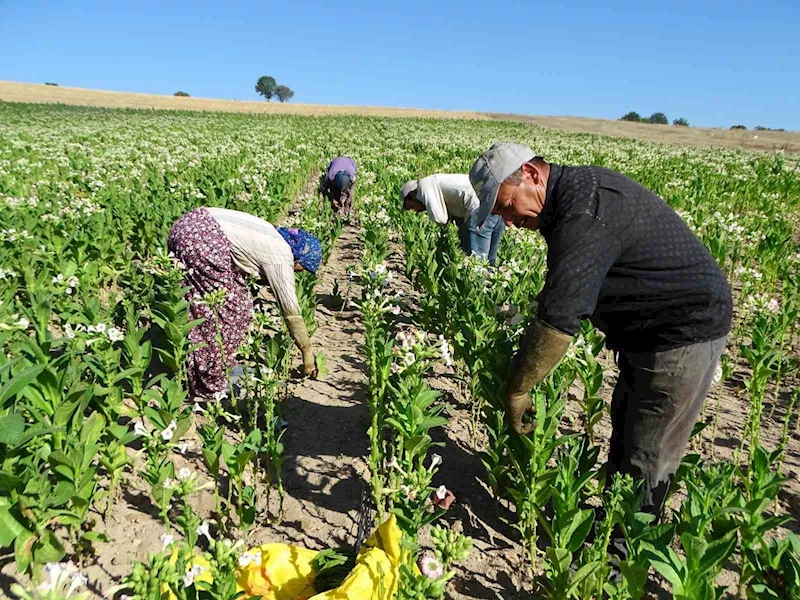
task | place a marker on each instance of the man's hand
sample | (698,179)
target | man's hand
(309,365)
(540,350)
(519,404)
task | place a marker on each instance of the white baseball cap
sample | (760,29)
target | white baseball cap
(407,188)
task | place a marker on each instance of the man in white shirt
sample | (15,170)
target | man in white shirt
(450,196)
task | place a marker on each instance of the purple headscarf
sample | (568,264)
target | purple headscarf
(306,248)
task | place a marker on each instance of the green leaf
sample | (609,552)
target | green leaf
(58,457)
(14,385)
(92,428)
(10,528)
(579,529)
(95,536)
(666,569)
(417,444)
(322,364)
(431,422)
(9,481)
(48,549)
(582,575)
(182,426)
(716,552)
(126,374)
(11,429)
(23,550)
(560,558)
(635,578)
(35,432)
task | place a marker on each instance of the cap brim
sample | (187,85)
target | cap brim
(488,200)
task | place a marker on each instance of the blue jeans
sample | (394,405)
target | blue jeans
(482,241)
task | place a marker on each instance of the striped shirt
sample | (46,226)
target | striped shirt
(447,196)
(260,251)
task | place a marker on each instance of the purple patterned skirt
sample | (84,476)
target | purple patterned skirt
(199,243)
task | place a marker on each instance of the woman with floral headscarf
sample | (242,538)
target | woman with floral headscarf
(218,247)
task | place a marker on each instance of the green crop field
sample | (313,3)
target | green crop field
(107,464)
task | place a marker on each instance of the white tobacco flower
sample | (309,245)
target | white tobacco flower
(188,579)
(248,558)
(394,464)
(436,460)
(78,580)
(441,492)
(395,310)
(24,323)
(140,429)
(203,529)
(411,494)
(184,474)
(446,351)
(166,540)
(717,374)
(115,334)
(57,573)
(100,327)
(167,434)
(183,447)
(774,306)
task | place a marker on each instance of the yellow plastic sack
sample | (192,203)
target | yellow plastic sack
(285,572)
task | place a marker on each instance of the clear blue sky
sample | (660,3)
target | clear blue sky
(714,63)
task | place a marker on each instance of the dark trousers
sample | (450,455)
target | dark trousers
(655,406)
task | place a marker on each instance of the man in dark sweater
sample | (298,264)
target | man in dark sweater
(621,257)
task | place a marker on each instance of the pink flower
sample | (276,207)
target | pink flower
(431,566)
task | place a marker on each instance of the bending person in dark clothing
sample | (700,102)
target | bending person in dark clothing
(337,185)
(621,257)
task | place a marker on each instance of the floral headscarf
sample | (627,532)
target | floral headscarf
(306,248)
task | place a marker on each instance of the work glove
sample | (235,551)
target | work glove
(309,364)
(540,350)
(297,329)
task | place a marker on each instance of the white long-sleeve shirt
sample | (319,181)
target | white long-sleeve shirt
(260,251)
(447,196)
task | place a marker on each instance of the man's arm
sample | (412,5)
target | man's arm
(579,254)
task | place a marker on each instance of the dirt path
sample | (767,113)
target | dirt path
(326,440)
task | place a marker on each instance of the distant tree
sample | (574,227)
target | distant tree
(182,94)
(50,83)
(658,118)
(266,86)
(738,127)
(681,122)
(631,116)
(760,128)
(283,93)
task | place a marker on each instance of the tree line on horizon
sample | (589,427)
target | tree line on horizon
(659,118)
